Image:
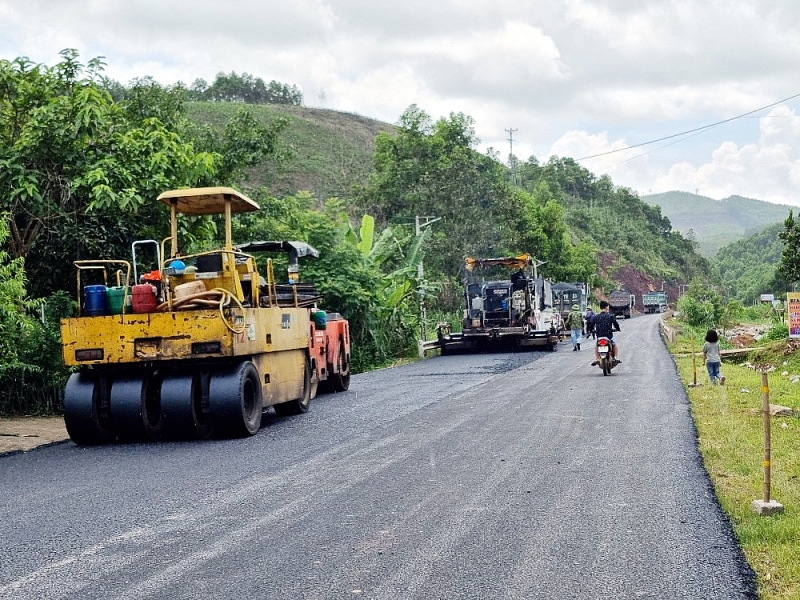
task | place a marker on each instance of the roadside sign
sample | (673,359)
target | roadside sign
(793,307)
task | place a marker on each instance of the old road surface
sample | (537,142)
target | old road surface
(526,475)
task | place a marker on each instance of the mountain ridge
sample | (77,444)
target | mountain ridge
(714,224)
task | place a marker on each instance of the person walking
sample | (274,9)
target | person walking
(712,358)
(589,318)
(574,322)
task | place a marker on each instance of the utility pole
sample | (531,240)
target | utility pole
(511,161)
(419,223)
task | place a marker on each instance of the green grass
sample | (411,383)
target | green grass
(330,151)
(730,427)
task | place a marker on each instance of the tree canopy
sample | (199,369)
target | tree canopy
(231,87)
(79,171)
(431,168)
(66,148)
(613,219)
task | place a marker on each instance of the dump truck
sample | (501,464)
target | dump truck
(654,302)
(565,295)
(513,312)
(620,303)
(201,345)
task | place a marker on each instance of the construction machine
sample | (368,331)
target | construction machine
(512,312)
(201,345)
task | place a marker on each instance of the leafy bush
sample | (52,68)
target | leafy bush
(777,332)
(757,312)
(701,306)
(31,372)
(34,382)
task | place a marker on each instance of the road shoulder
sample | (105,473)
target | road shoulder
(20,434)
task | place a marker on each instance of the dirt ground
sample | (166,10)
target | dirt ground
(19,434)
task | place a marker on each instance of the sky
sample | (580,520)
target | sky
(570,78)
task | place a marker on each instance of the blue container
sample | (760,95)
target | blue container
(95,301)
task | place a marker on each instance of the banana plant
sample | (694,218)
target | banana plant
(400,289)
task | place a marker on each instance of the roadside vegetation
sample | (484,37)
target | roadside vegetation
(83,158)
(730,429)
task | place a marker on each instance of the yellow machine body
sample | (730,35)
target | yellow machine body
(213,345)
(276,339)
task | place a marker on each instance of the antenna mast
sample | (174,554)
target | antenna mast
(511,162)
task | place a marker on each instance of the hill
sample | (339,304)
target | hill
(329,151)
(716,223)
(332,151)
(747,267)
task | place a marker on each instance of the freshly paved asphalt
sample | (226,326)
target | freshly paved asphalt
(524,475)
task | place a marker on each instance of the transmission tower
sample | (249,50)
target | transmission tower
(511,161)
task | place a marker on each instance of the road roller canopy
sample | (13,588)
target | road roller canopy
(294,248)
(208,201)
(205,201)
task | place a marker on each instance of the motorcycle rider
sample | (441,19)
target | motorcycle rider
(604,325)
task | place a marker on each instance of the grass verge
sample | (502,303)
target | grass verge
(730,427)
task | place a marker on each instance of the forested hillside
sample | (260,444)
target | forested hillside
(615,220)
(716,223)
(414,174)
(747,268)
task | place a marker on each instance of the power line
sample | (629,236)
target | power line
(696,129)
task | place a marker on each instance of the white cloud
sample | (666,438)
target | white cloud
(573,77)
(767,169)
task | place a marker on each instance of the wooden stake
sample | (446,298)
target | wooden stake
(767,506)
(767,437)
(694,364)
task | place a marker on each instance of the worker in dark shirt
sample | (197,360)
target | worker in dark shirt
(604,325)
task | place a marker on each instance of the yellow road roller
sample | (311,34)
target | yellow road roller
(197,347)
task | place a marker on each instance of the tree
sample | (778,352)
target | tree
(68,149)
(31,372)
(79,171)
(701,306)
(432,168)
(789,268)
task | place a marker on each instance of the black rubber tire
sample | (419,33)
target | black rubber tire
(235,401)
(136,407)
(604,366)
(152,417)
(184,411)
(300,405)
(87,413)
(126,408)
(340,382)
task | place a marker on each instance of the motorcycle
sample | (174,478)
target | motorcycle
(607,360)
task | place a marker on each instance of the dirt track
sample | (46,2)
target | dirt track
(20,434)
